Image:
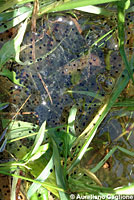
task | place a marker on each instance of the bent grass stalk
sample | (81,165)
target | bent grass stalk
(91,129)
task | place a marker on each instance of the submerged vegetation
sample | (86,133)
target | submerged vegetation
(66,99)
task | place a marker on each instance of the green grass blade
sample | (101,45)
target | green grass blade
(95,10)
(103,111)
(125,103)
(130,153)
(2,148)
(39,138)
(124,57)
(40,151)
(121,7)
(3,105)
(14,185)
(71,120)
(3,134)
(121,33)
(69,139)
(59,171)
(101,163)
(42,177)
(43,194)
(31,180)
(20,129)
(91,94)
(78,3)
(102,37)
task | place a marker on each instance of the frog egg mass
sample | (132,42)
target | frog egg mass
(64,60)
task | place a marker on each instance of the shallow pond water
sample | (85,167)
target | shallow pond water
(64,60)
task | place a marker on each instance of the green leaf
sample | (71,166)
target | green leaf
(37,168)
(11,48)
(34,197)
(20,129)
(11,75)
(13,18)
